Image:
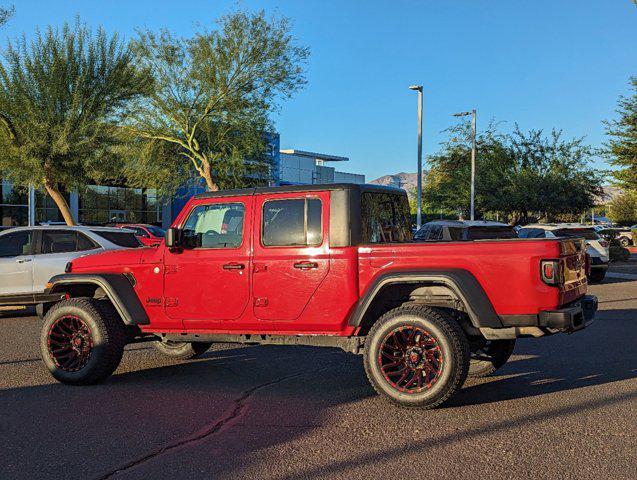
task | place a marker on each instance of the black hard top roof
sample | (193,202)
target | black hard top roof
(302,188)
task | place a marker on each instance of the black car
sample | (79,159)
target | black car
(463,230)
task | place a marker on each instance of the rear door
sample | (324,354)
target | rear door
(54,250)
(16,262)
(291,253)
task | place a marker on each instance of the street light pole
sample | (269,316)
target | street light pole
(473,157)
(473,165)
(418,88)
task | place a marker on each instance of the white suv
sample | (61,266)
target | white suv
(596,246)
(30,256)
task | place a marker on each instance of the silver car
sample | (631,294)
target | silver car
(30,256)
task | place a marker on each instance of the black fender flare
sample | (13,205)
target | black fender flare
(117,288)
(462,282)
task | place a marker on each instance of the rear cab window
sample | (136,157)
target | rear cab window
(587,233)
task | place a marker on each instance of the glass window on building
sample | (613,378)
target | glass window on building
(99,205)
(13,205)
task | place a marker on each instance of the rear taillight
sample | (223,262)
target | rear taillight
(550,271)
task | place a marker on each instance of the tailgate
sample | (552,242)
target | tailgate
(573,260)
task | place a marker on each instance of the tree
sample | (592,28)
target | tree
(622,147)
(6,14)
(516,174)
(623,209)
(61,98)
(212,99)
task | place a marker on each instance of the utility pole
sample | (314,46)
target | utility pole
(418,88)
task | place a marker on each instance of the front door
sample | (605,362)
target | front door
(16,262)
(208,280)
(291,254)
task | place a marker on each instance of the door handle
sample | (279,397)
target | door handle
(23,260)
(306,265)
(234,266)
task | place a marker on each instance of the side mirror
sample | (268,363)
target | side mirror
(172,238)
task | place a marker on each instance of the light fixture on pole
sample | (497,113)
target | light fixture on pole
(418,88)
(473,157)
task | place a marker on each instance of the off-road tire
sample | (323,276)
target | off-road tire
(107,334)
(597,275)
(182,350)
(451,340)
(489,355)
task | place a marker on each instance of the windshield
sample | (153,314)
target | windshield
(587,233)
(156,231)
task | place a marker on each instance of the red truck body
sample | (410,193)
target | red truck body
(330,265)
(190,290)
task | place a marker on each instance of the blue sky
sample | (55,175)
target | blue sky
(541,64)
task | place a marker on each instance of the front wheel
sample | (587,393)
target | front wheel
(182,350)
(416,356)
(82,341)
(489,355)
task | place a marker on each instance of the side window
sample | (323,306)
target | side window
(455,233)
(85,243)
(16,243)
(218,225)
(59,242)
(385,217)
(292,222)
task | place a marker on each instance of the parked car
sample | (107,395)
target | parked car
(596,247)
(30,256)
(463,230)
(148,234)
(622,234)
(322,265)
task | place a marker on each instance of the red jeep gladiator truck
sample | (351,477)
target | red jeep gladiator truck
(322,265)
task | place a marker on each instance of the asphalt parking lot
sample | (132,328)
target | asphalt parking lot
(564,407)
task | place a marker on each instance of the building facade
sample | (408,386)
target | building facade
(298,167)
(102,204)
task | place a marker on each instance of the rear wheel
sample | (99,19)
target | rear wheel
(182,350)
(82,341)
(624,241)
(489,355)
(416,356)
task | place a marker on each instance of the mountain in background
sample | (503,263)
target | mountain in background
(406,181)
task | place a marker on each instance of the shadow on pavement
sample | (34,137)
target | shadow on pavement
(138,416)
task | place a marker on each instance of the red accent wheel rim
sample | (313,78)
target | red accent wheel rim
(70,343)
(410,359)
